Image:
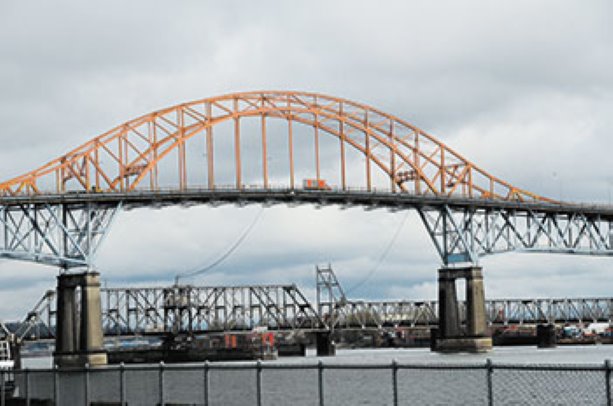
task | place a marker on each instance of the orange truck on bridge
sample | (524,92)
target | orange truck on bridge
(315,184)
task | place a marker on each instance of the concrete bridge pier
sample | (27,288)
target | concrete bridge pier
(546,336)
(324,344)
(451,337)
(79,337)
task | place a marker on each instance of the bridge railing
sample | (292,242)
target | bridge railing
(322,383)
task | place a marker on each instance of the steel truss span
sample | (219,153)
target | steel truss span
(189,309)
(283,146)
(129,156)
(65,235)
(499,312)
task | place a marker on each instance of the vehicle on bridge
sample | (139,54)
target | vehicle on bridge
(315,184)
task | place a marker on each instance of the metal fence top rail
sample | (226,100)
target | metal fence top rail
(606,365)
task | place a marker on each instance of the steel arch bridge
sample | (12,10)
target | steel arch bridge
(283,146)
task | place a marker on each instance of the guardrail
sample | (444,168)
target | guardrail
(322,383)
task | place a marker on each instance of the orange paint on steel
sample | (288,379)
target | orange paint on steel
(342,141)
(368,154)
(425,161)
(237,146)
(290,135)
(209,146)
(264,153)
(392,158)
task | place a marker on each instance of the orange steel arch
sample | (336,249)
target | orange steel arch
(126,158)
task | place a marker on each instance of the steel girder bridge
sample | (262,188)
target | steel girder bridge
(256,147)
(283,308)
(499,312)
(185,309)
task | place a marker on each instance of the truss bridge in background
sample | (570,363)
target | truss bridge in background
(189,309)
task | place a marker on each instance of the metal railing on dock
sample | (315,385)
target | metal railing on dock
(315,383)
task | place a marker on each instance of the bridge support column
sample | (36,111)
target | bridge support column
(324,344)
(546,336)
(451,336)
(79,337)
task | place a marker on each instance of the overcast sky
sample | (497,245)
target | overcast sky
(523,89)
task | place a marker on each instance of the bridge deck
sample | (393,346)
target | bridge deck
(357,197)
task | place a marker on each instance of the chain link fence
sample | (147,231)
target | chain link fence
(316,384)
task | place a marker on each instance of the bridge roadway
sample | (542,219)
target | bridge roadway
(191,309)
(255,194)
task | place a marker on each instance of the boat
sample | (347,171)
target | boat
(182,348)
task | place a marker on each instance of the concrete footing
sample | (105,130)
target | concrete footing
(546,336)
(451,335)
(324,344)
(79,337)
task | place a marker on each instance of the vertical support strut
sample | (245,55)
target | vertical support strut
(264,153)
(392,158)
(290,144)
(417,165)
(237,146)
(181,150)
(316,141)
(209,147)
(368,154)
(291,153)
(121,168)
(317,163)
(153,139)
(442,170)
(342,145)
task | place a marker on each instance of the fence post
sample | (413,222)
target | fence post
(395,381)
(607,365)
(161,383)
(259,382)
(86,377)
(56,384)
(320,382)
(27,386)
(206,383)
(122,384)
(2,388)
(490,392)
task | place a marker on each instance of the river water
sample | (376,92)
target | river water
(421,386)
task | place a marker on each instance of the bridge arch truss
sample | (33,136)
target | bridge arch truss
(378,160)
